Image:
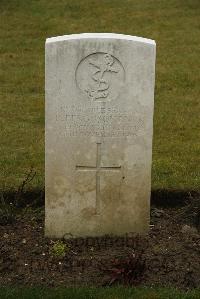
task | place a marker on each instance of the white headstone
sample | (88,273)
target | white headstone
(99,127)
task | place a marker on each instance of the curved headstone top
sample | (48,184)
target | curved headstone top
(100,35)
(99,97)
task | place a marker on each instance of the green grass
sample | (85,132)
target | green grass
(94,293)
(174,24)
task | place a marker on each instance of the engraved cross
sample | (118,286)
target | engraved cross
(98,169)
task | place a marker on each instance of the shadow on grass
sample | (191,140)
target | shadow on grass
(34,198)
(159,197)
(172,198)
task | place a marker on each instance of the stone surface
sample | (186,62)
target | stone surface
(99,126)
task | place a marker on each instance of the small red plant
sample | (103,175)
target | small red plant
(127,270)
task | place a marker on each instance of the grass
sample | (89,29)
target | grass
(100,293)
(174,24)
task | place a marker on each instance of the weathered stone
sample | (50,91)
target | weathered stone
(99,126)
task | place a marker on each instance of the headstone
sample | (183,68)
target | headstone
(99,127)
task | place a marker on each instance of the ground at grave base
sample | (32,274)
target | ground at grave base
(170,252)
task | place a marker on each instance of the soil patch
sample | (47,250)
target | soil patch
(171,252)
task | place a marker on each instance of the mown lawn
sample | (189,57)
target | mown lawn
(174,24)
(101,293)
